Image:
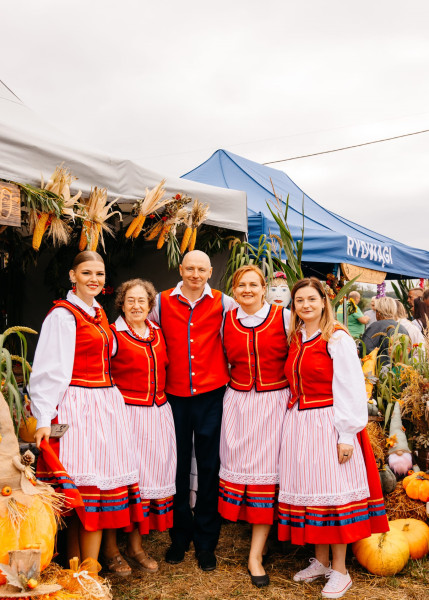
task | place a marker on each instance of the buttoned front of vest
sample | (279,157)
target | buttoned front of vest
(256,354)
(138,368)
(197,362)
(91,367)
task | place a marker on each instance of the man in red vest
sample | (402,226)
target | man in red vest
(190,316)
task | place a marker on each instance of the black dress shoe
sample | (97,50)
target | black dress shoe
(175,554)
(206,560)
(259,581)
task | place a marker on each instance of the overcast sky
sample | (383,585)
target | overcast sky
(168,83)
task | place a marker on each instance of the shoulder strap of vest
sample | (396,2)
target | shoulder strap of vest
(64,304)
(340,327)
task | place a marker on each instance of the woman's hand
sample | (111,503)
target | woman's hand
(344,453)
(42,434)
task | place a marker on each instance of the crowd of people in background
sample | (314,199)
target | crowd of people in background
(271,403)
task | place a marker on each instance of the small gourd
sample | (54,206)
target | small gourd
(372,408)
(417,533)
(383,553)
(387,479)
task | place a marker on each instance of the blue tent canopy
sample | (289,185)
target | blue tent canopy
(329,238)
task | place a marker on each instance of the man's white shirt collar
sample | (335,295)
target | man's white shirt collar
(178,291)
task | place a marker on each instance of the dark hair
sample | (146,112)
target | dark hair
(127,285)
(421,313)
(426,294)
(85,256)
(327,319)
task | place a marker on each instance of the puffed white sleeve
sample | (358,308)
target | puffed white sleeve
(154,313)
(348,388)
(228,303)
(52,365)
(286,318)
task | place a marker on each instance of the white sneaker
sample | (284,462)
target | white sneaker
(337,584)
(315,570)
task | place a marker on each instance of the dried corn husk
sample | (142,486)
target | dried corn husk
(51,218)
(95,213)
(154,231)
(197,215)
(152,202)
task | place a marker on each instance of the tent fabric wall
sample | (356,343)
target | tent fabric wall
(329,238)
(29,147)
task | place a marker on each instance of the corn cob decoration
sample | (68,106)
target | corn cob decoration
(197,215)
(154,231)
(152,202)
(95,213)
(175,215)
(57,190)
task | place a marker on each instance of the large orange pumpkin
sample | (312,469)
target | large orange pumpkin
(38,528)
(417,534)
(383,553)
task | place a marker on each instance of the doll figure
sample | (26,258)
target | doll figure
(278,291)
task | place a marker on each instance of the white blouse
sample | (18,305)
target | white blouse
(348,386)
(122,325)
(54,359)
(259,317)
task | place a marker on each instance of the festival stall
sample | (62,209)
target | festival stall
(329,238)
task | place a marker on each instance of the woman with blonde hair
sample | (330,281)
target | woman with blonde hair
(414,332)
(255,341)
(330,492)
(377,335)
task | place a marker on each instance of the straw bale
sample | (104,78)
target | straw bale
(400,506)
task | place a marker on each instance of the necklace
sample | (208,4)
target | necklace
(149,338)
(98,313)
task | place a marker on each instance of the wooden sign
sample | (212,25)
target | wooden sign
(364,275)
(10,204)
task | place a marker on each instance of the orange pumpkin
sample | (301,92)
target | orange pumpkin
(418,488)
(27,429)
(417,533)
(37,527)
(409,478)
(383,553)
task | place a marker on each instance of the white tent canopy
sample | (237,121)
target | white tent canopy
(29,148)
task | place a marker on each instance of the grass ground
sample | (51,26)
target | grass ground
(231,580)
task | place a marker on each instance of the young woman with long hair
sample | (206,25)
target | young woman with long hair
(330,492)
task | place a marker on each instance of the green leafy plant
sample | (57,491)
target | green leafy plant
(8,384)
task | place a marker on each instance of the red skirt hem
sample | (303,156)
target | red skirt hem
(157,515)
(343,524)
(96,509)
(254,504)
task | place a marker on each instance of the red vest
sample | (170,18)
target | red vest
(257,355)
(138,368)
(197,362)
(91,367)
(309,369)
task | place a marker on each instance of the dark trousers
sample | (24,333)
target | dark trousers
(201,416)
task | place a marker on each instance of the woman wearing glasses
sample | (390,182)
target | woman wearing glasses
(139,362)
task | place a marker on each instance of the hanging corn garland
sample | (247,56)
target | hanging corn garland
(49,205)
(152,202)
(197,215)
(174,215)
(94,214)
(154,231)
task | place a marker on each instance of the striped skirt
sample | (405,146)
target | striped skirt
(98,458)
(321,501)
(249,452)
(154,443)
